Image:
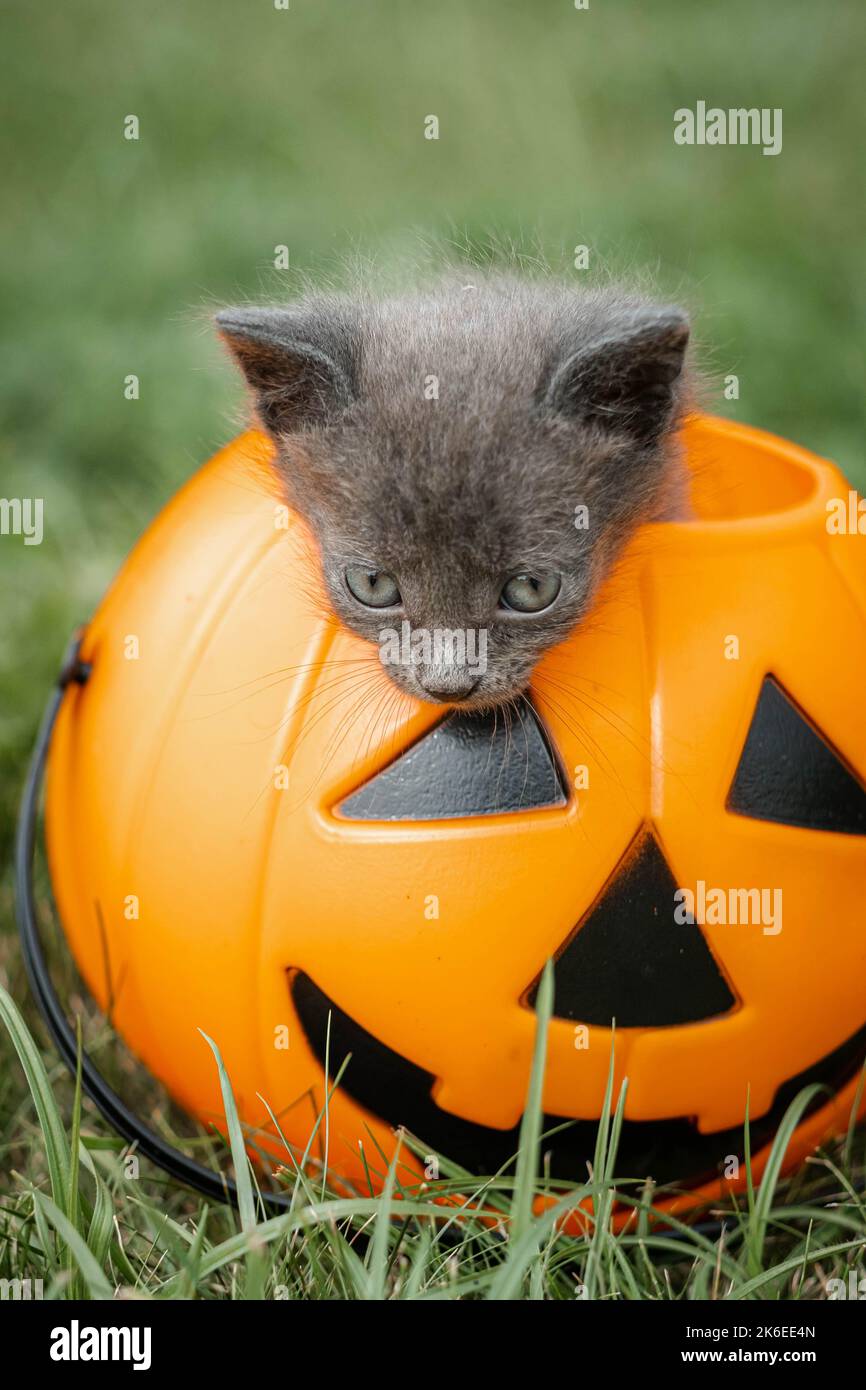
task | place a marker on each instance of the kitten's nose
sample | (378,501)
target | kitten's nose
(451,691)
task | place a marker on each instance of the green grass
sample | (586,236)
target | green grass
(304,128)
(82,1226)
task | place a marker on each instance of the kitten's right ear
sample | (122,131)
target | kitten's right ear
(300,365)
(626,379)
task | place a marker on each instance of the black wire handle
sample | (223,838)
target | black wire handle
(186,1170)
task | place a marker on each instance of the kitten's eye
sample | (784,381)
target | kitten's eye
(373,588)
(530,593)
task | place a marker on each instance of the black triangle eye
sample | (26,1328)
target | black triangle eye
(789,772)
(631,961)
(472,764)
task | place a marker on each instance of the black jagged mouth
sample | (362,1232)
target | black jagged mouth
(398,1092)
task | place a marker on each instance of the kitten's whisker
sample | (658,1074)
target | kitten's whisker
(576,728)
(285,671)
(387,694)
(347,678)
(250,694)
(368,741)
(563,671)
(492,744)
(593,702)
(521,716)
(506,753)
(660,764)
(361,699)
(389,709)
(360,681)
(365,698)
(575,821)
(643,752)
(291,748)
(403,709)
(382,695)
(390,714)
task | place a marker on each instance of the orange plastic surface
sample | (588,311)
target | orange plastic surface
(167,799)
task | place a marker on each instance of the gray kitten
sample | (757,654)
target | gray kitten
(438,445)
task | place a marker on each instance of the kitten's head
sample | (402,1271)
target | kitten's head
(443,447)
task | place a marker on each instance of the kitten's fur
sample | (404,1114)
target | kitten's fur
(548,398)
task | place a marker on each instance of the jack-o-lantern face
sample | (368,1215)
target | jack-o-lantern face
(677,815)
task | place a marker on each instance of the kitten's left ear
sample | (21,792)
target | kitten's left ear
(299,362)
(626,380)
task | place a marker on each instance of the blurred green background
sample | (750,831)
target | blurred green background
(261,127)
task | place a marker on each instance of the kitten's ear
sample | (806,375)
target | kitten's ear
(300,364)
(625,380)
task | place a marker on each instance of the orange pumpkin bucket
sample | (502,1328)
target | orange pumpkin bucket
(678,817)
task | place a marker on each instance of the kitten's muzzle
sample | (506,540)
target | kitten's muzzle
(448,692)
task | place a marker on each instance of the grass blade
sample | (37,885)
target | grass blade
(530,1126)
(53,1132)
(763,1200)
(255,1262)
(378,1274)
(97,1285)
(240,1159)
